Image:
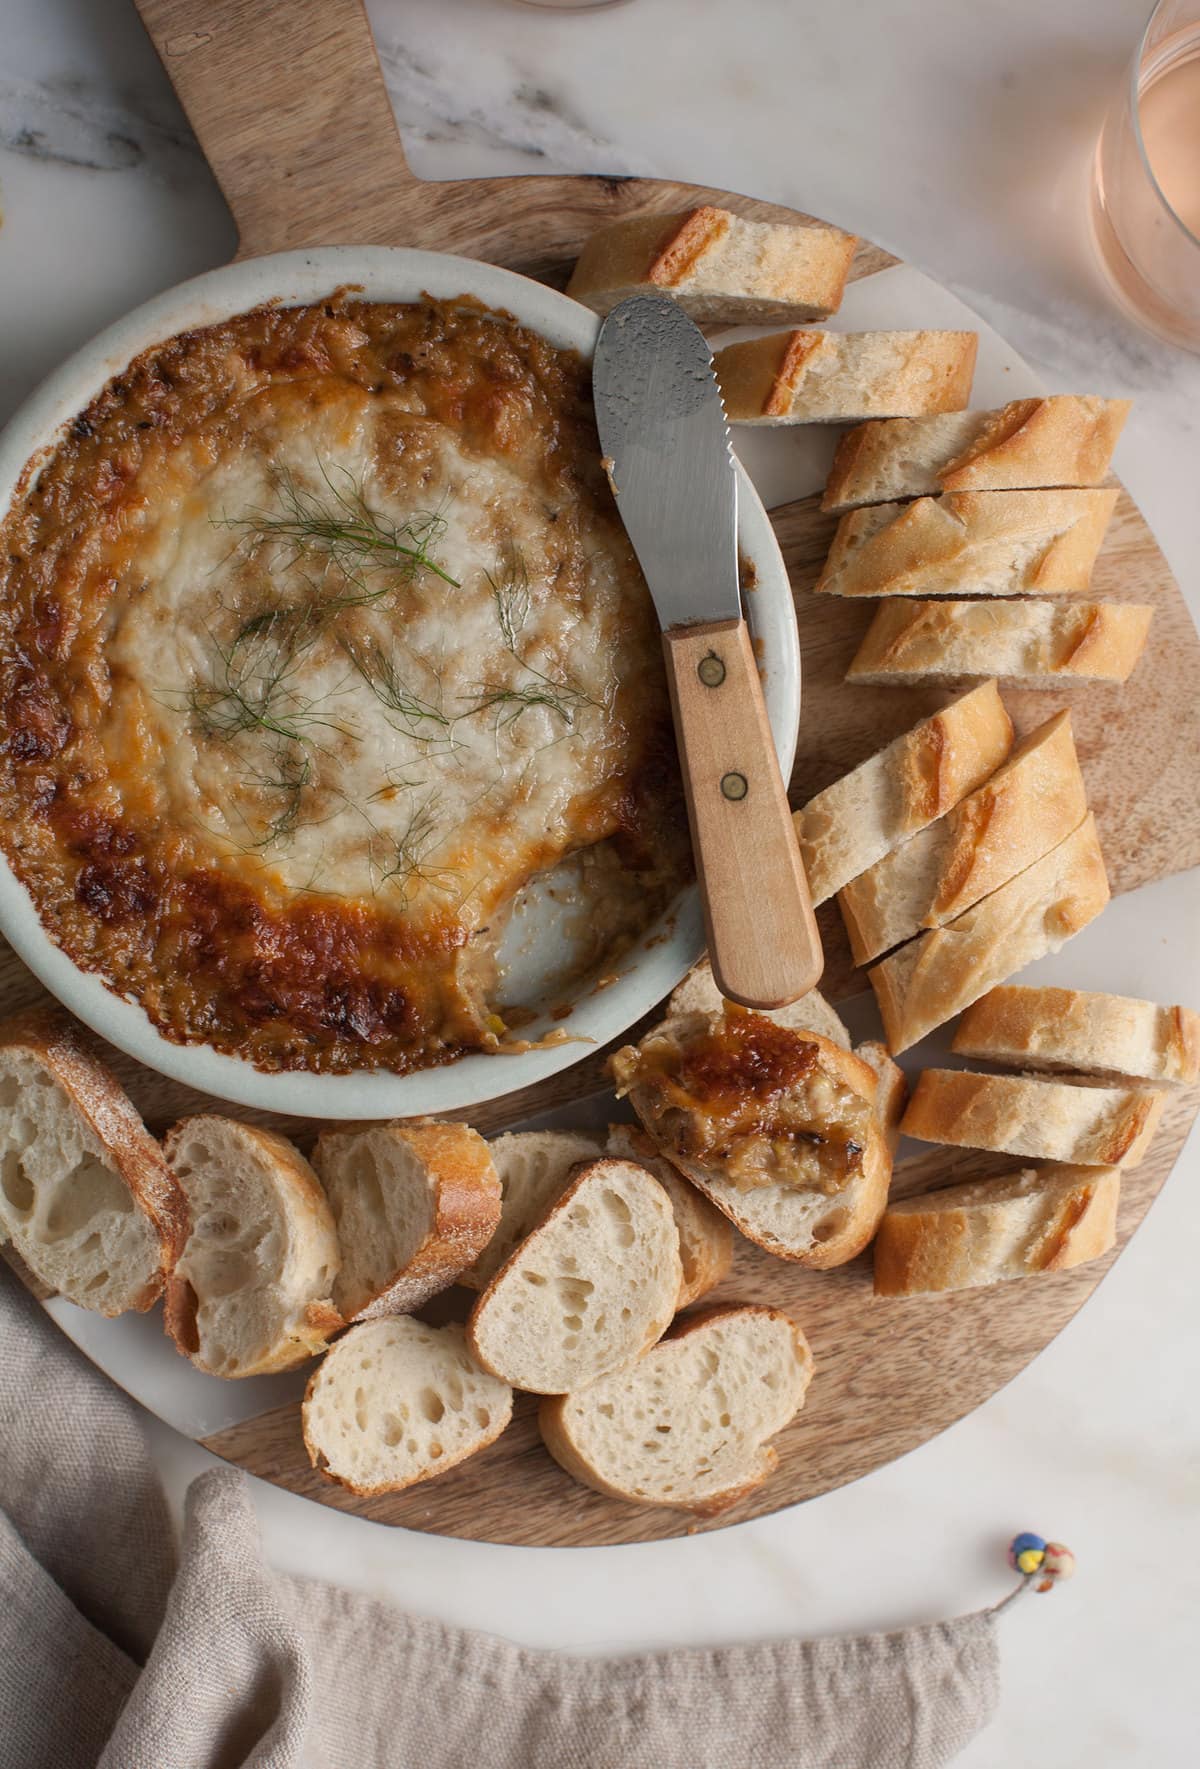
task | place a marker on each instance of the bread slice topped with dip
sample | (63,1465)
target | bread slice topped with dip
(777,1127)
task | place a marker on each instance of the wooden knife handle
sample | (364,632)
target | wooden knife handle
(762,935)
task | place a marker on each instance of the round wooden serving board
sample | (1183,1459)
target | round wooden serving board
(289,105)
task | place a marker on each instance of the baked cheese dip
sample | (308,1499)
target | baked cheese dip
(319,638)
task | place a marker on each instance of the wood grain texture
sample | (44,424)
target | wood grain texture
(758,915)
(320,163)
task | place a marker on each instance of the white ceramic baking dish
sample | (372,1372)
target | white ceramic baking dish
(645,972)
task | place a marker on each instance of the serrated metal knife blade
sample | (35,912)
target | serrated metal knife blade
(665,440)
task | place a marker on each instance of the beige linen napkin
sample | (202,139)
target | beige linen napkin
(113,1653)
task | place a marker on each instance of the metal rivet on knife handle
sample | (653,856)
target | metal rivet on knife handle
(711,670)
(734,786)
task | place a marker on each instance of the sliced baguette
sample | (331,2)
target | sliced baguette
(989,1230)
(1039,644)
(934,977)
(1088,1125)
(717,266)
(891,1093)
(1109,1035)
(1028,806)
(705,1236)
(414,1205)
(895,793)
(970,543)
(585,1293)
(1065,440)
(534,1168)
(777,1096)
(698,993)
(688,1426)
(252,1291)
(86,1198)
(838,377)
(395,1402)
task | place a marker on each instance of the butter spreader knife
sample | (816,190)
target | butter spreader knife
(665,441)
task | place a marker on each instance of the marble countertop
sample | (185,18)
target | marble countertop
(960,137)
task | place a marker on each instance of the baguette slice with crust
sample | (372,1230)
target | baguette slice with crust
(839,377)
(895,793)
(1110,1035)
(717,266)
(698,993)
(988,1230)
(934,977)
(970,543)
(1087,1125)
(534,1167)
(891,1093)
(1039,644)
(396,1402)
(778,1128)
(688,1426)
(414,1205)
(86,1198)
(252,1291)
(1065,440)
(592,1286)
(705,1236)
(1028,806)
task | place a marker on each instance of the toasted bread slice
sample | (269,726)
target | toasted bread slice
(777,1127)
(414,1205)
(1029,805)
(253,1289)
(698,993)
(1041,644)
(689,1425)
(815,377)
(1085,1125)
(585,1293)
(395,1402)
(1064,440)
(898,791)
(1109,1035)
(86,1198)
(970,543)
(717,266)
(705,1237)
(989,1230)
(534,1168)
(924,984)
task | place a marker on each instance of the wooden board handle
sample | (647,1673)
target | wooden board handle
(762,934)
(289,105)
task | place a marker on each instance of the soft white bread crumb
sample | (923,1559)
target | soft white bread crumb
(86,1198)
(705,1237)
(689,1425)
(988,1230)
(396,1402)
(252,1291)
(534,1168)
(592,1286)
(414,1205)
